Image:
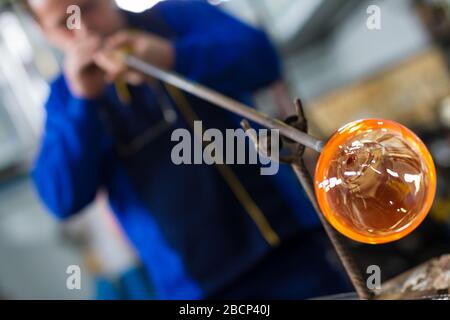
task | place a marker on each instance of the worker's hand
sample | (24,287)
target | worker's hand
(84,77)
(146,46)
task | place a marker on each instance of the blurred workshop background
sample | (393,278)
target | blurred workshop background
(342,70)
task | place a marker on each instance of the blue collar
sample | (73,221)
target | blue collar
(150,21)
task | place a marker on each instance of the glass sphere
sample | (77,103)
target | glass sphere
(375,181)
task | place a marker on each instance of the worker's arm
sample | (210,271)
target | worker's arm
(217,50)
(67,172)
(208,46)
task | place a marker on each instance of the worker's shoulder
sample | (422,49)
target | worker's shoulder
(59,91)
(58,83)
(179,6)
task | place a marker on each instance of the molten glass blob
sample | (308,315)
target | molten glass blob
(375,181)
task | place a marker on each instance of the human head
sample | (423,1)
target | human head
(98,17)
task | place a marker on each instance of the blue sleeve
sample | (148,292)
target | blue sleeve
(67,169)
(217,50)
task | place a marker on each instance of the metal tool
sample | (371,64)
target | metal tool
(223,101)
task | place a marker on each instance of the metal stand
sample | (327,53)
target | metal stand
(296,160)
(336,239)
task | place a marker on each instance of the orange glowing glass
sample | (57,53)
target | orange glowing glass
(375,181)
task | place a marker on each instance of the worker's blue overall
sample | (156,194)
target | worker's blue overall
(201,231)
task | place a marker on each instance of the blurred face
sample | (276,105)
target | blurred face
(98,17)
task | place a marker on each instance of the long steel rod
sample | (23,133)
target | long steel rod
(223,101)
